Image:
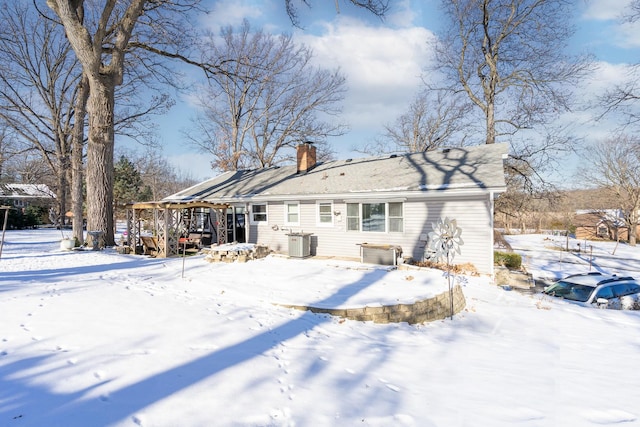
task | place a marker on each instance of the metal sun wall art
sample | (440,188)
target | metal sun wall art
(445,242)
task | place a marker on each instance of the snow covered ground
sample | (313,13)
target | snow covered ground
(98,338)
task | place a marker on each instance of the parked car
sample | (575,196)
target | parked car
(597,289)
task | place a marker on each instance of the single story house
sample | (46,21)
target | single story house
(605,224)
(343,205)
(23,195)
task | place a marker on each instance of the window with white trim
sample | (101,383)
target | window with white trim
(396,219)
(353,216)
(376,217)
(325,213)
(259,213)
(373,218)
(292,213)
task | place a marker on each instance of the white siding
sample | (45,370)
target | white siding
(474,218)
(473,215)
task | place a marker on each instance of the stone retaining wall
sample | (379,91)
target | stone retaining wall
(426,310)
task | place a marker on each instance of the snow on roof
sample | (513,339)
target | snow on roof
(478,167)
(26,191)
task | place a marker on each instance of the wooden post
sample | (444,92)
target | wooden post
(4,226)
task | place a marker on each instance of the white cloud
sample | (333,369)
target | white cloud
(619,33)
(607,76)
(383,66)
(627,36)
(605,10)
(401,14)
(232,12)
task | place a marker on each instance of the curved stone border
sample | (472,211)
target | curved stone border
(426,310)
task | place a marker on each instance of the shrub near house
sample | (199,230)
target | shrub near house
(511,260)
(30,204)
(29,217)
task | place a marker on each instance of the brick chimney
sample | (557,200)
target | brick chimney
(306,157)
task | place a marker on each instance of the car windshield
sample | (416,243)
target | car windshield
(570,291)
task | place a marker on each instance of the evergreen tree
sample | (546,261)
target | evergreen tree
(127,185)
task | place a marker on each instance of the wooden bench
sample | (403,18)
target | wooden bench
(150,245)
(190,244)
(199,239)
(195,239)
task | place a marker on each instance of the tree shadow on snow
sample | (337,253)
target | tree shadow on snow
(68,273)
(21,394)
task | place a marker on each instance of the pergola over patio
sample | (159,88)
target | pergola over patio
(170,222)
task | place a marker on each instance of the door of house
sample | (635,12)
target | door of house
(236,225)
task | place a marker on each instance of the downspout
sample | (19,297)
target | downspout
(491,241)
(247,226)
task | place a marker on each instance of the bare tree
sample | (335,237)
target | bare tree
(508,56)
(157,173)
(624,98)
(37,87)
(376,7)
(30,168)
(268,97)
(434,119)
(101,55)
(6,150)
(525,170)
(615,167)
(44,96)
(635,10)
(77,158)
(101,45)
(161,177)
(521,207)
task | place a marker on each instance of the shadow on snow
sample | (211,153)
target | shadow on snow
(20,394)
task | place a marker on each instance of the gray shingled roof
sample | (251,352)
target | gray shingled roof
(25,191)
(479,167)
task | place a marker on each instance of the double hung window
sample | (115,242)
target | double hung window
(292,213)
(325,213)
(375,217)
(259,213)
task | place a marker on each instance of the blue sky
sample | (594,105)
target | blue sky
(383,62)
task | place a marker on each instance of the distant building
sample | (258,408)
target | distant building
(607,224)
(23,195)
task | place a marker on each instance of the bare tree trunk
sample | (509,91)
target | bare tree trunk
(103,69)
(100,156)
(490,117)
(60,165)
(2,148)
(77,152)
(489,81)
(61,193)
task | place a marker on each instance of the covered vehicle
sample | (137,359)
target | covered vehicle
(597,289)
